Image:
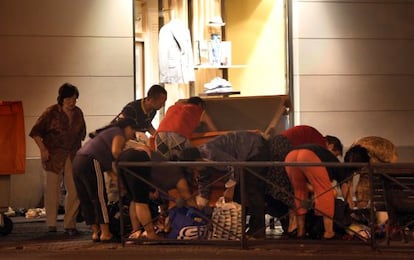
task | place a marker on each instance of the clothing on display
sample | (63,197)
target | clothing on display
(175,53)
(218,85)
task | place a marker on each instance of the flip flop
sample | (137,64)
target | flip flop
(113,239)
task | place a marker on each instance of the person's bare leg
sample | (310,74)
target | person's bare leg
(184,192)
(328,225)
(300,220)
(95,232)
(292,222)
(136,225)
(144,217)
(105,232)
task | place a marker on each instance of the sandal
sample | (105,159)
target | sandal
(113,239)
(98,238)
(135,234)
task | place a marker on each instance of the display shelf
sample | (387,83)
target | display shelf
(223,94)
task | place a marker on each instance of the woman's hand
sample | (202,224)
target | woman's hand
(44,155)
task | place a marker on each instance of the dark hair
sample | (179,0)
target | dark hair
(156,91)
(65,91)
(133,155)
(337,145)
(125,122)
(189,154)
(196,101)
(356,154)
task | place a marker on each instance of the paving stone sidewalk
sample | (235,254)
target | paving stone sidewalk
(30,240)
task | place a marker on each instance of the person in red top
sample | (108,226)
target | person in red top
(304,134)
(279,194)
(175,129)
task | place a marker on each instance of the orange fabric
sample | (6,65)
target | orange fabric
(304,134)
(318,178)
(12,138)
(182,119)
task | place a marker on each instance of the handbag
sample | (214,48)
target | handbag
(186,224)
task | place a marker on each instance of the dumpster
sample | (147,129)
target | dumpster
(13,157)
(263,113)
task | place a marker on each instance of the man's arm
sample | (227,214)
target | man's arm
(151,129)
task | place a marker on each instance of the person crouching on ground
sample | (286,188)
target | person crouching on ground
(320,179)
(164,178)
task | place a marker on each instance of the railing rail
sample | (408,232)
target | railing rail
(385,169)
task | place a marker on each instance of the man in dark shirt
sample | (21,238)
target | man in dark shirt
(142,110)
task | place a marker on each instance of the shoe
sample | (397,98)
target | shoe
(329,238)
(98,238)
(71,231)
(51,229)
(113,239)
(135,235)
(292,234)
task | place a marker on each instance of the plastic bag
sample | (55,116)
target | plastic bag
(226,220)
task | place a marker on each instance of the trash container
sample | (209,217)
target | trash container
(13,157)
(264,113)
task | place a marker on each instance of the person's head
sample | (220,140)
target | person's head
(197,101)
(191,154)
(67,94)
(357,153)
(129,126)
(334,145)
(157,95)
(133,155)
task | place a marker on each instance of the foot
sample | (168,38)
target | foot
(71,231)
(112,239)
(52,229)
(96,236)
(328,235)
(135,235)
(106,237)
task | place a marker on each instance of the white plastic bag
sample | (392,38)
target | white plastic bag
(226,220)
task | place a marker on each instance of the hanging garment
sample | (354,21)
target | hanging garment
(12,138)
(175,53)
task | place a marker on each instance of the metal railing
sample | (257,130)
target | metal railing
(373,169)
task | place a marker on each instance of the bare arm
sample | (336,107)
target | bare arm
(44,153)
(151,129)
(346,189)
(118,144)
(205,118)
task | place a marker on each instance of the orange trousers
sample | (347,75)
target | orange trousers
(318,178)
